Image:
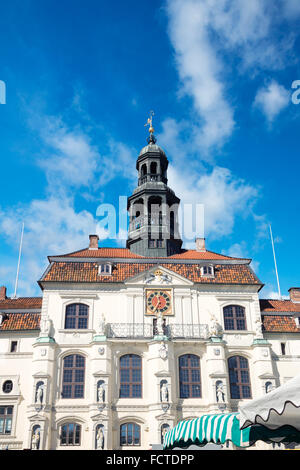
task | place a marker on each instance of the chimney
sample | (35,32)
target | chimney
(93,242)
(200,244)
(295,294)
(3,293)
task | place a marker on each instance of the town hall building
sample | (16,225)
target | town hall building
(124,343)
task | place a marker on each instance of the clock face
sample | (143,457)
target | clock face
(159,301)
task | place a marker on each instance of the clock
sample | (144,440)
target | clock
(159,301)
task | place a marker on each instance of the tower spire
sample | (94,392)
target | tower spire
(151,139)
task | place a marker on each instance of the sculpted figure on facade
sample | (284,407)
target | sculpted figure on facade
(215,329)
(99,438)
(100,393)
(102,325)
(165,428)
(160,324)
(45,326)
(269,387)
(163,351)
(35,439)
(220,392)
(39,396)
(258,329)
(158,278)
(164,393)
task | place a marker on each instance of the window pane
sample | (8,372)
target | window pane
(124,391)
(195,391)
(136,435)
(130,376)
(68,361)
(189,376)
(67,375)
(78,391)
(239,377)
(136,391)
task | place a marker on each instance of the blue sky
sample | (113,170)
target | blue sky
(81,78)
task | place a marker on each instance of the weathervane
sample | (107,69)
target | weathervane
(151,128)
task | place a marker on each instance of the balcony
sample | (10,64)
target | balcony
(145,330)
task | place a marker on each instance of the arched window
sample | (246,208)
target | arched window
(70,434)
(130,376)
(130,434)
(73,376)
(163,430)
(76,316)
(153,168)
(144,169)
(189,376)
(234,318)
(239,377)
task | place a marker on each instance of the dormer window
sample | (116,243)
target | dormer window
(207,270)
(105,269)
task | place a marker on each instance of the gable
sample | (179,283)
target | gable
(158,276)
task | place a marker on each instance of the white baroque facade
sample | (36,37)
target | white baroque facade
(159,397)
(126,342)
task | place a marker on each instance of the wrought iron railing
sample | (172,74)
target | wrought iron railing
(145,330)
(129,330)
(188,331)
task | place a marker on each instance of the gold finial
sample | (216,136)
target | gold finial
(149,122)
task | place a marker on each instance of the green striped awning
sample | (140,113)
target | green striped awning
(219,428)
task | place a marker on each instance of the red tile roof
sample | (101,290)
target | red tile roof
(20,322)
(88,272)
(126,253)
(270,305)
(21,303)
(280,324)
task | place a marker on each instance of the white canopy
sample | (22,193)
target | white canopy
(277,408)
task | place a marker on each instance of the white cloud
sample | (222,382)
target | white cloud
(268,292)
(272,99)
(224,196)
(200,71)
(53,225)
(203,34)
(238,250)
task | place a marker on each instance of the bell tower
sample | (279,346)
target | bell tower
(153,206)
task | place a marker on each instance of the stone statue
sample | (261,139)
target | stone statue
(99,439)
(258,329)
(100,393)
(166,279)
(163,351)
(220,392)
(164,431)
(35,440)
(102,325)
(39,394)
(150,278)
(45,325)
(215,329)
(160,324)
(158,277)
(164,393)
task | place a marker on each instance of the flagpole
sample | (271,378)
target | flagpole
(18,268)
(279,293)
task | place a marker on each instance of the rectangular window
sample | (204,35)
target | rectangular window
(6,419)
(282,346)
(13,346)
